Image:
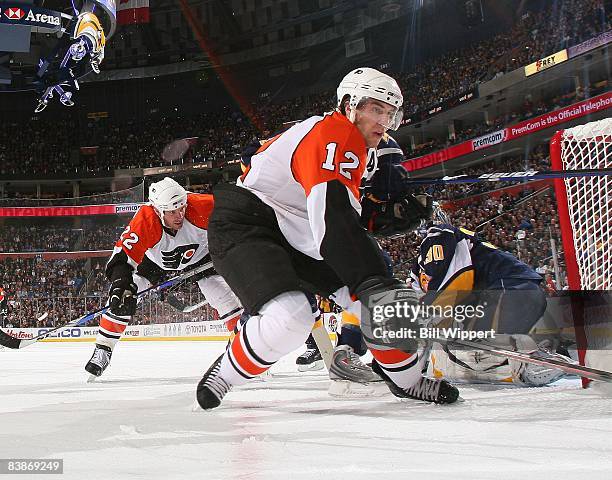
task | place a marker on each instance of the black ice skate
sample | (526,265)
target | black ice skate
(310,360)
(426,389)
(212,388)
(99,360)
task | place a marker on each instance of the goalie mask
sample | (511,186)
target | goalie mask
(438,217)
(363,84)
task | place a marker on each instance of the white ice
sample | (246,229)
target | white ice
(137,422)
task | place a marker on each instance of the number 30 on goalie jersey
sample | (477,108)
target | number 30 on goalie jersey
(454,259)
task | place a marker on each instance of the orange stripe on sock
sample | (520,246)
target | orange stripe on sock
(241,358)
(107,324)
(231,323)
(389,357)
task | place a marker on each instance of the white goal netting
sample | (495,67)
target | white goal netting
(589,201)
(585,215)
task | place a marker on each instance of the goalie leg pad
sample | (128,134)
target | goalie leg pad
(530,375)
(469,366)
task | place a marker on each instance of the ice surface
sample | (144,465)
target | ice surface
(136,422)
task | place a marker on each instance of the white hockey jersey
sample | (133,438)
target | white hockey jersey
(291,173)
(145,236)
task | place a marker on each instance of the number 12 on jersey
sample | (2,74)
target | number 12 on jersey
(343,167)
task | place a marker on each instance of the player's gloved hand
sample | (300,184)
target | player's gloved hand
(122,298)
(390,311)
(400,215)
(410,210)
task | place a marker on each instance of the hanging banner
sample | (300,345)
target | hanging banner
(546,62)
(541,122)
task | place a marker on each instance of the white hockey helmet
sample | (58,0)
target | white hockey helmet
(364,83)
(167,195)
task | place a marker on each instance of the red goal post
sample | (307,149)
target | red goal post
(585,218)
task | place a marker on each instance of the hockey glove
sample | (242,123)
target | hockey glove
(122,297)
(405,214)
(390,313)
(410,210)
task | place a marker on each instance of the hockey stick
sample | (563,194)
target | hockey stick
(324,344)
(9,341)
(181,307)
(534,358)
(511,176)
(191,308)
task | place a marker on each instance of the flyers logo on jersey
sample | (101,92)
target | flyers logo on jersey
(179,256)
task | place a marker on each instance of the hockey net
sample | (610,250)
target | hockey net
(585,218)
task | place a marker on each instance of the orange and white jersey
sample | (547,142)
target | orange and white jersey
(304,173)
(145,236)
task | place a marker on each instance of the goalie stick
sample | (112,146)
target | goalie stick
(581,370)
(527,175)
(9,341)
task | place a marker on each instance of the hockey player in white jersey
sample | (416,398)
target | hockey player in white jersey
(168,234)
(291,226)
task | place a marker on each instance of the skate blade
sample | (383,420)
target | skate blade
(408,400)
(92,378)
(312,367)
(195,408)
(348,389)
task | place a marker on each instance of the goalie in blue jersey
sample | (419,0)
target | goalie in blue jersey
(455,267)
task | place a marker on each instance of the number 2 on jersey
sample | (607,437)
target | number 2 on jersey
(129,241)
(343,167)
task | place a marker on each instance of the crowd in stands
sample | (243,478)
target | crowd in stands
(535,36)
(36,286)
(34,277)
(538,159)
(21,199)
(102,238)
(45,146)
(522,223)
(37,239)
(528,110)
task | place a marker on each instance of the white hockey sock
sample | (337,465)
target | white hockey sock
(282,326)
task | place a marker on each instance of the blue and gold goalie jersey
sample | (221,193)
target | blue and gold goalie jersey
(453,259)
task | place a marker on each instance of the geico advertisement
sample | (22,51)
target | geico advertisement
(187,329)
